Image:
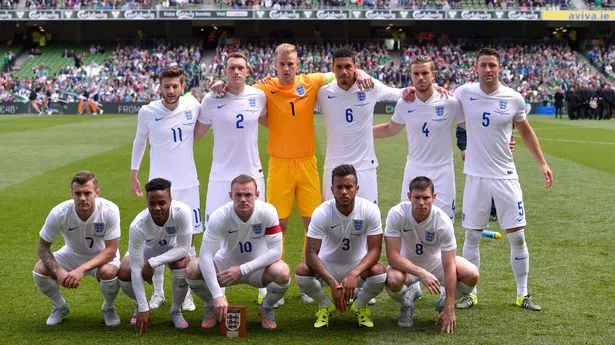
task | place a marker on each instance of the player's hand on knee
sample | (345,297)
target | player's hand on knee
(61,275)
(147,272)
(228,277)
(337,292)
(431,283)
(73,278)
(143,318)
(220,306)
(349,284)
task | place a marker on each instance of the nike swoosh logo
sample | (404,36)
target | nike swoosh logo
(232,232)
(406,230)
(221,106)
(274,91)
(71,229)
(335,226)
(473,99)
(149,240)
(520,258)
(158,118)
(329,97)
(411,111)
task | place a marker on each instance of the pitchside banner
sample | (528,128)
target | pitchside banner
(69,108)
(204,14)
(577,16)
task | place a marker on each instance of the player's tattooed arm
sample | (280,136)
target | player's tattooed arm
(49,261)
(312,248)
(46,256)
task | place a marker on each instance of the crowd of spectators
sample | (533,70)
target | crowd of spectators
(536,70)
(603,58)
(129,74)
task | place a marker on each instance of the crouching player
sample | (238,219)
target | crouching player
(242,245)
(420,245)
(343,243)
(159,235)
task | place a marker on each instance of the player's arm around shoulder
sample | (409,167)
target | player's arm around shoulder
(394,125)
(203,122)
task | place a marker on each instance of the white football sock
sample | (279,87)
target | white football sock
(519,260)
(200,289)
(109,289)
(179,289)
(400,296)
(312,287)
(371,288)
(463,289)
(127,288)
(471,248)
(275,292)
(158,280)
(50,288)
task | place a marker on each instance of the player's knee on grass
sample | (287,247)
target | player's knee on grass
(395,279)
(467,272)
(193,272)
(179,264)
(107,272)
(124,273)
(303,270)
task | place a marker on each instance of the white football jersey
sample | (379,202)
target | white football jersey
(171,139)
(430,129)
(421,243)
(234,123)
(144,233)
(344,238)
(241,241)
(83,237)
(162,240)
(349,117)
(489,124)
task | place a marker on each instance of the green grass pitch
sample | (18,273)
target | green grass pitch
(570,238)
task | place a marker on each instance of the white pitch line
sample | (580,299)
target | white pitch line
(576,141)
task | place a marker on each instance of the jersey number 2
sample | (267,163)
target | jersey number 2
(239,123)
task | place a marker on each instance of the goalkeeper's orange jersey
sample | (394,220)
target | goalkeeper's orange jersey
(290,114)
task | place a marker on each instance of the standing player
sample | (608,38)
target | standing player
(234,123)
(429,122)
(491,109)
(169,124)
(348,112)
(242,245)
(159,235)
(343,244)
(421,245)
(90,226)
